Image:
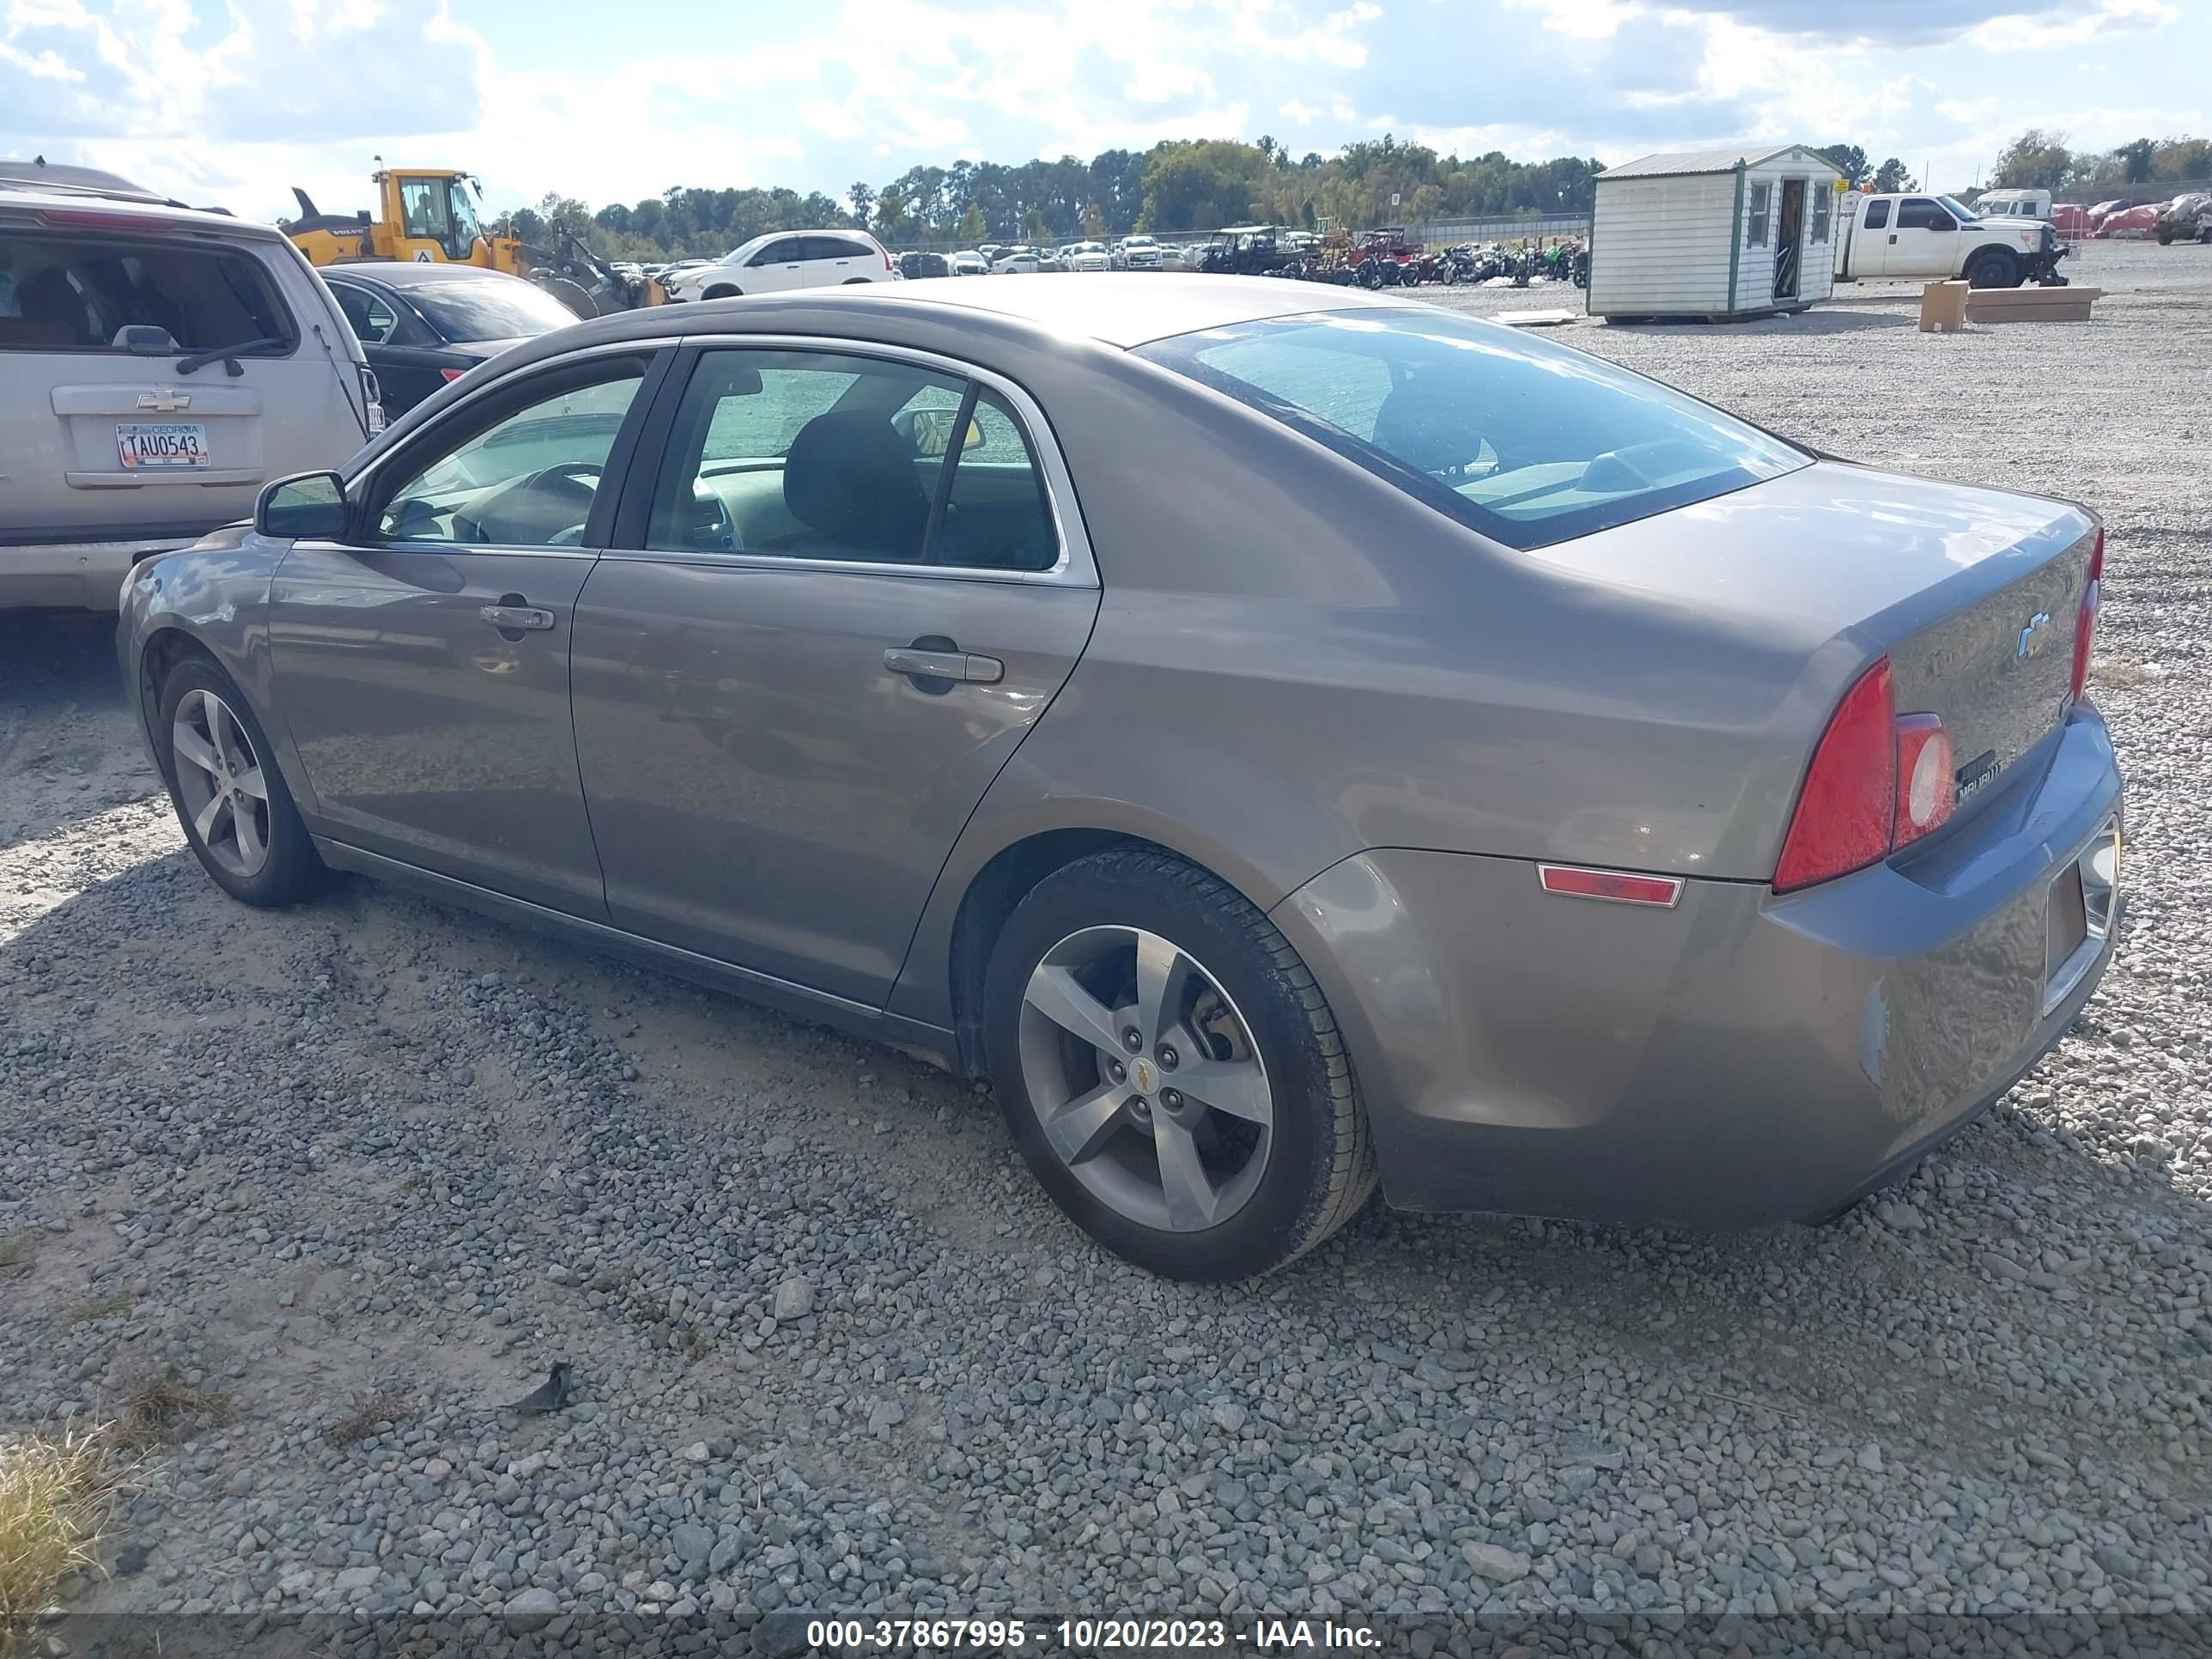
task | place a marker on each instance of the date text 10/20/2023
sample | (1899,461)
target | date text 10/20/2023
(1087,1635)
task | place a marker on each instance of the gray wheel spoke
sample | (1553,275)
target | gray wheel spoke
(1191,1197)
(1232,1086)
(1054,992)
(189,745)
(247,834)
(1081,1128)
(208,814)
(1161,971)
(252,783)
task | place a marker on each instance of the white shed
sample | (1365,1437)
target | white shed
(1713,233)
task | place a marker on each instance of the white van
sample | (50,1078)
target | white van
(158,365)
(2014,204)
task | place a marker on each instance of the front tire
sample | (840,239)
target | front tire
(229,795)
(722,291)
(1994,268)
(1170,1071)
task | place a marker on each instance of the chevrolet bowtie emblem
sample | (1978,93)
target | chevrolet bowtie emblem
(165,403)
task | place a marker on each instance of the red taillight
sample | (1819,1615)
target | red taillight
(2085,619)
(1926,786)
(1848,808)
(886,252)
(1618,886)
(451,375)
(1878,781)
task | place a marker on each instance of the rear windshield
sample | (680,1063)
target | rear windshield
(511,310)
(1527,441)
(62,292)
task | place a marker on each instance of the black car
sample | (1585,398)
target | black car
(912,265)
(424,325)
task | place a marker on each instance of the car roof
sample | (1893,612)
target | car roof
(413,273)
(1123,309)
(116,212)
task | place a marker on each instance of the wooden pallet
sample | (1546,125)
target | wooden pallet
(2031,305)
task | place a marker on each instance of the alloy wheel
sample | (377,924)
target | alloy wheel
(1145,1078)
(220,778)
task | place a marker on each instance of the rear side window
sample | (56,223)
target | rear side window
(1877,216)
(63,292)
(1526,440)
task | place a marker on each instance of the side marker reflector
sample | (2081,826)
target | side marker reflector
(1618,885)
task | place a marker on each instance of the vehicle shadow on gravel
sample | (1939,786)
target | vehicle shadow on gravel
(1815,322)
(359,1020)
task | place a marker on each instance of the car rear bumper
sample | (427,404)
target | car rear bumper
(1741,1059)
(69,575)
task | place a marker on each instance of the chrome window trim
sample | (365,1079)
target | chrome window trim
(1076,566)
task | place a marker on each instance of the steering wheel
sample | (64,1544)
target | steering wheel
(560,484)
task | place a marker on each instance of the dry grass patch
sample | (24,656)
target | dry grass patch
(361,1417)
(99,1307)
(2119,673)
(56,1495)
(162,1410)
(17,1252)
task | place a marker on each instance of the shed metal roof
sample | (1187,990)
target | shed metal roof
(1677,163)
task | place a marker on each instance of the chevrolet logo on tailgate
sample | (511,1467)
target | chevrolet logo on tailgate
(165,403)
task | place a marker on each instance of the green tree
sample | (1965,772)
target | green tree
(893,222)
(1849,160)
(972,229)
(1200,184)
(1094,223)
(860,196)
(2135,159)
(1892,176)
(2182,158)
(2037,160)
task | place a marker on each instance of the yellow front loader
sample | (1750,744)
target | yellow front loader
(429,215)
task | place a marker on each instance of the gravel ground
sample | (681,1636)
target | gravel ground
(833,1350)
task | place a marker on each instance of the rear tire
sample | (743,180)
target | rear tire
(1994,267)
(1164,1178)
(229,794)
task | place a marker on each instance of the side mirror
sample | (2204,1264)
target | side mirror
(312,505)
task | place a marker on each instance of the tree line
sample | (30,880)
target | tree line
(2041,158)
(1182,185)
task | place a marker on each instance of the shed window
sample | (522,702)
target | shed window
(1824,200)
(1762,197)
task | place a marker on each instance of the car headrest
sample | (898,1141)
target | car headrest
(851,476)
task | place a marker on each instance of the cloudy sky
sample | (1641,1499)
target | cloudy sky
(230,102)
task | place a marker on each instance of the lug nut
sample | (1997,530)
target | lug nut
(1133,1039)
(1171,1099)
(1168,1059)
(1116,1070)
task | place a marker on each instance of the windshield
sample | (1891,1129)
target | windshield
(1526,440)
(1960,211)
(488,310)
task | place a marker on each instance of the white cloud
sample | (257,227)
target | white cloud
(1303,114)
(2073,26)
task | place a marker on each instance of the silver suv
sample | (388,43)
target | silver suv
(158,365)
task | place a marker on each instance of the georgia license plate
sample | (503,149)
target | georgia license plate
(152,445)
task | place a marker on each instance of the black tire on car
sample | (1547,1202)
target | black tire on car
(1280,1166)
(1994,267)
(721,291)
(237,815)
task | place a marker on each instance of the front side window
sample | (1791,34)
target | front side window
(531,477)
(1918,213)
(1762,198)
(60,291)
(819,455)
(373,321)
(422,208)
(1527,440)
(784,251)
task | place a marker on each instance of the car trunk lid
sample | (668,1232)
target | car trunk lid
(1971,593)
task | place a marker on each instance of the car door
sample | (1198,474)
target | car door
(780,265)
(817,637)
(832,259)
(394,343)
(421,664)
(1923,241)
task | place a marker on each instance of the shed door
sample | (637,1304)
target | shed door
(1789,241)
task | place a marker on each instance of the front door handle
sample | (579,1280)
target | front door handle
(517,619)
(946,664)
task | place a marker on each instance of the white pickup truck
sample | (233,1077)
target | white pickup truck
(1933,238)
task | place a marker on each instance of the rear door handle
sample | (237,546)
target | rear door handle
(513,618)
(962,666)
